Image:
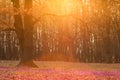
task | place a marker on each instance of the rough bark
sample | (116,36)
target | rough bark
(25,35)
(18,24)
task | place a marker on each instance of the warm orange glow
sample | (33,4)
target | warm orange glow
(59,7)
(65,13)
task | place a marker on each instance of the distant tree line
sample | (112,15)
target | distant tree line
(89,35)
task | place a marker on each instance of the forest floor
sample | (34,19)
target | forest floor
(49,70)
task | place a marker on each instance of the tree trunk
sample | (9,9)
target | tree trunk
(18,24)
(25,35)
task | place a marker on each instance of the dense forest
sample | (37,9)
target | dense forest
(68,30)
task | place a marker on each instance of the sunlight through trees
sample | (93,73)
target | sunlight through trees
(76,30)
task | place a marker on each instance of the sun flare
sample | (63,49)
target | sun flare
(59,7)
(68,6)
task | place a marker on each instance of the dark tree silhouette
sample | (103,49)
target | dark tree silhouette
(25,35)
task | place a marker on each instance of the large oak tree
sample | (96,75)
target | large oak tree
(24,33)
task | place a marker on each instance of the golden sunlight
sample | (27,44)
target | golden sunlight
(68,6)
(60,7)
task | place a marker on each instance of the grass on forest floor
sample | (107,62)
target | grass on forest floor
(67,65)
